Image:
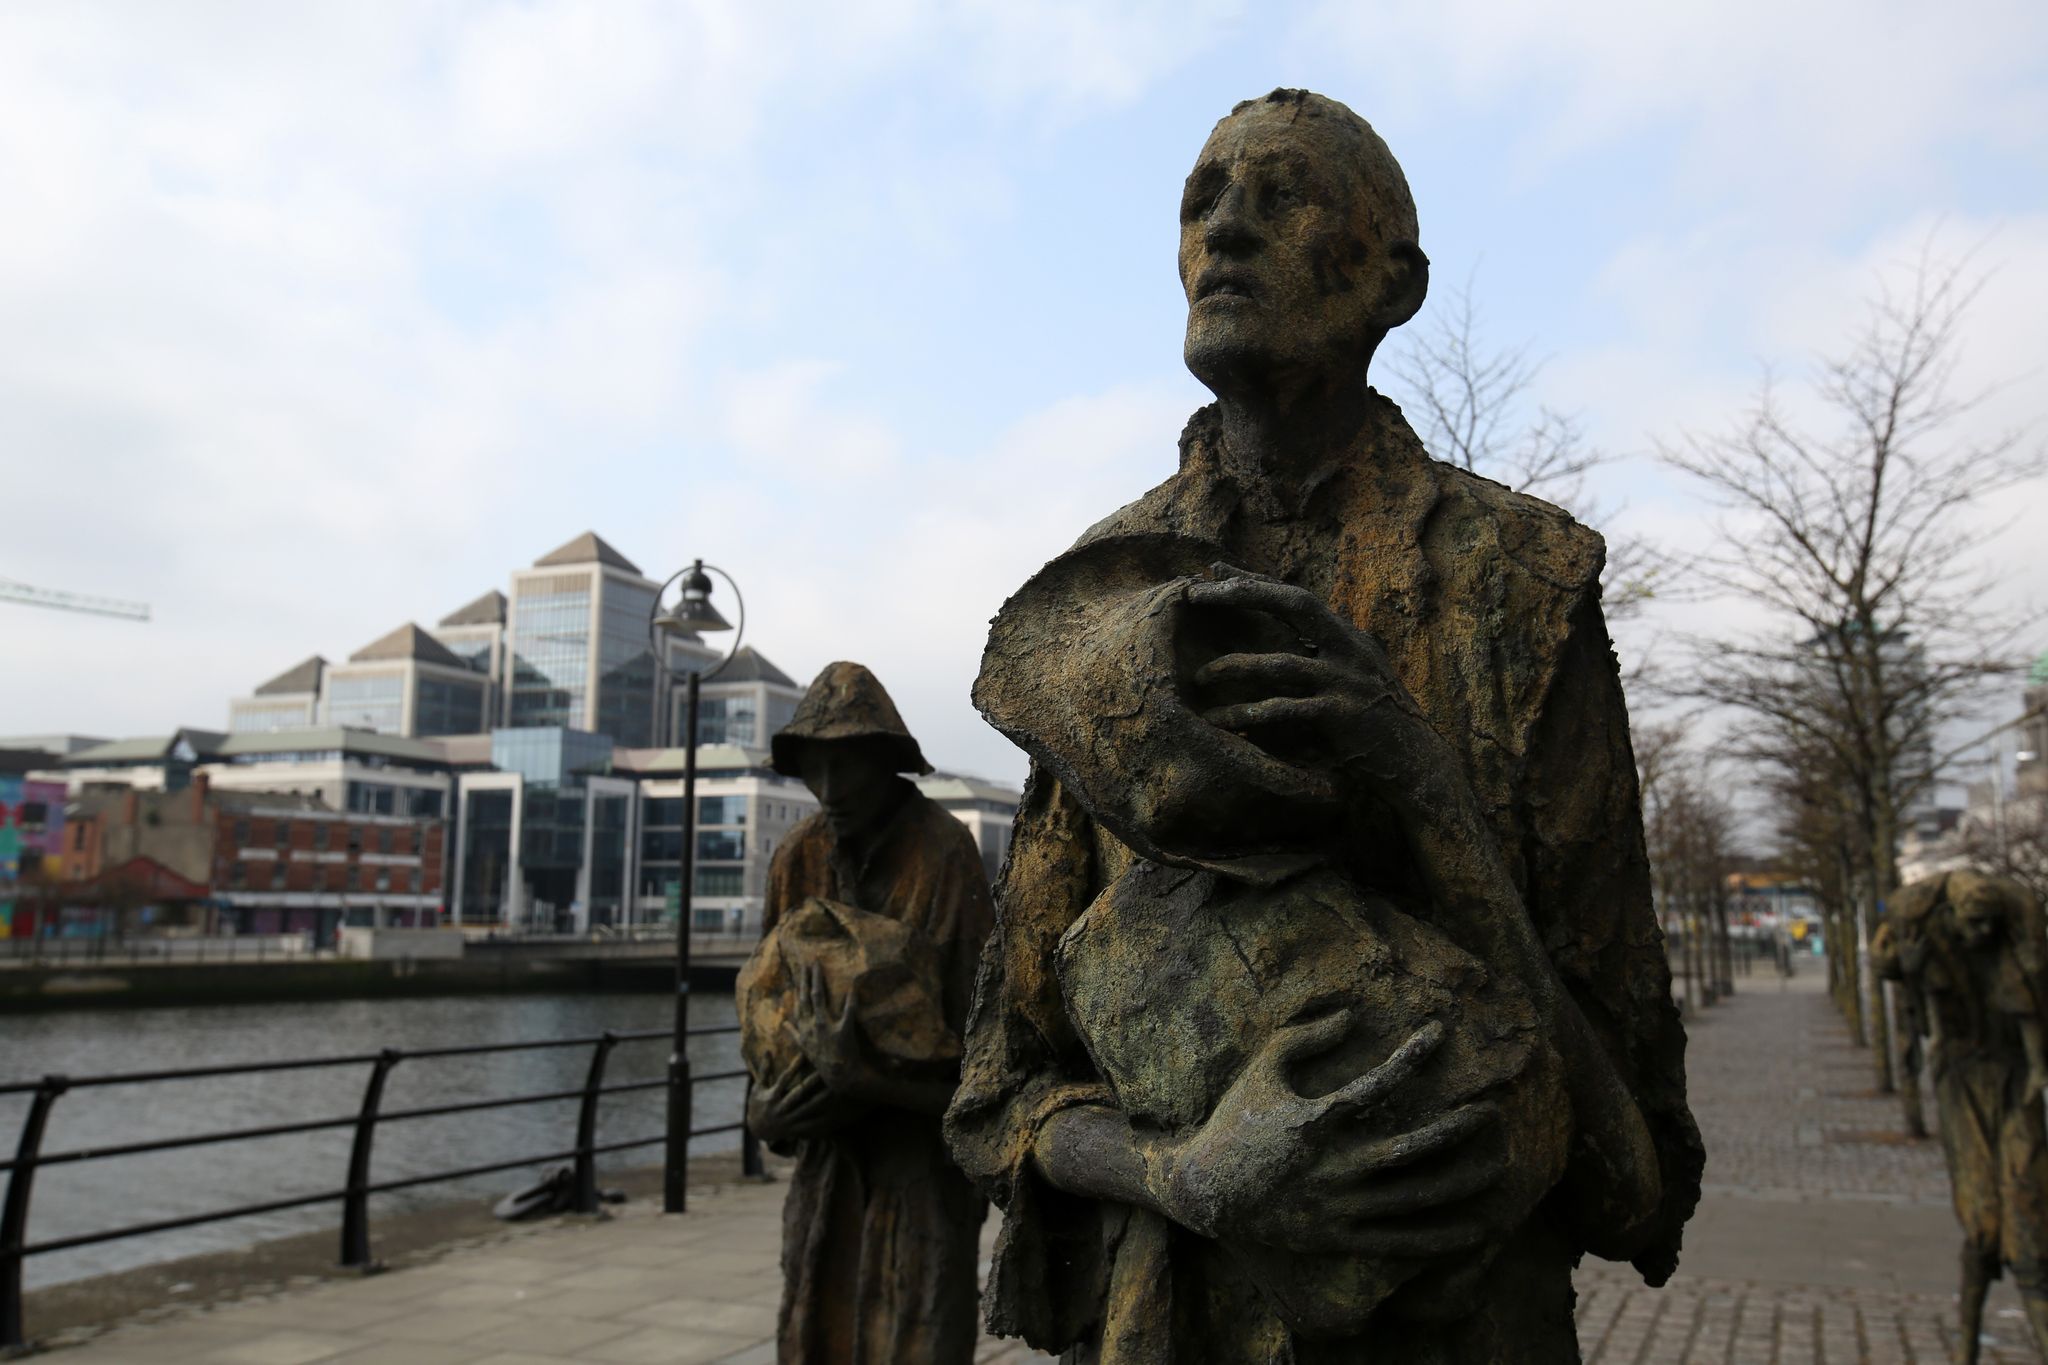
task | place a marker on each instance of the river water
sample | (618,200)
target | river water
(101,1195)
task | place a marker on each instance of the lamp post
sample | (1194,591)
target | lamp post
(694,614)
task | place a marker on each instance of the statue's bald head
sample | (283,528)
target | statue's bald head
(1298,242)
(1381,188)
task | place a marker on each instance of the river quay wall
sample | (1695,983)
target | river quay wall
(25,988)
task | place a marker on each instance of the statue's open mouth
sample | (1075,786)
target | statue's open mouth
(1226,284)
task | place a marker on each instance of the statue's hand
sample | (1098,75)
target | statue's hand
(797,1104)
(1339,698)
(831,1042)
(1276,1167)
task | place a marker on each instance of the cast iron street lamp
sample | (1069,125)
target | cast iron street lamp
(694,614)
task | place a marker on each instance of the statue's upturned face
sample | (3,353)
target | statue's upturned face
(1277,254)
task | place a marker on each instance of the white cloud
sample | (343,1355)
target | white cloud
(1803,100)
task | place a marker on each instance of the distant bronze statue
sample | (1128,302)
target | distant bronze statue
(1326,1017)
(1968,950)
(851,1014)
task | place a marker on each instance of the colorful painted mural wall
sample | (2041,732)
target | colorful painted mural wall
(31,846)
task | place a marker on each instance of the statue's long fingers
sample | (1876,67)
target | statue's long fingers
(1298,607)
(1413,1193)
(1297,1041)
(1294,712)
(1408,1148)
(1299,674)
(1369,1089)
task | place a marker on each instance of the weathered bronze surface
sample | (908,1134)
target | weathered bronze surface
(851,1014)
(1326,1017)
(1968,952)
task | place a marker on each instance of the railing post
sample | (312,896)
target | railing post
(586,1126)
(676,1157)
(14,1215)
(750,1146)
(355,1207)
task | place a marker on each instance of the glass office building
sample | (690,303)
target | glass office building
(577,644)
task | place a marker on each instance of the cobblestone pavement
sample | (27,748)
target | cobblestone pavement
(1787,1106)
(1822,1239)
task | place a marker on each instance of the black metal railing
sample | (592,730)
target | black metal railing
(354,1195)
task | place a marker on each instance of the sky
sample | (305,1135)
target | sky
(319,318)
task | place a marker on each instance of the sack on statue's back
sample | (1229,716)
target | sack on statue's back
(891,970)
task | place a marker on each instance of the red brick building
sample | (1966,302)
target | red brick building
(271,862)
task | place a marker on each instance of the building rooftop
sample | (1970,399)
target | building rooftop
(320,738)
(588,548)
(750,665)
(55,746)
(300,678)
(666,762)
(408,642)
(198,745)
(962,787)
(488,610)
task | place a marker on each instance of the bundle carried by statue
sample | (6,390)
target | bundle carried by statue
(1253,908)
(885,966)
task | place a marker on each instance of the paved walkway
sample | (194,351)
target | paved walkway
(1822,1239)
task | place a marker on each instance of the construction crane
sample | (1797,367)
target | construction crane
(11,591)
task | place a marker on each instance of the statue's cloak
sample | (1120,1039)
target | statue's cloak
(879,1229)
(1487,603)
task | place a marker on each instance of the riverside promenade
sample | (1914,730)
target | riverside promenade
(1822,1238)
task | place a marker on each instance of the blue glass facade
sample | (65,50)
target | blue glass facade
(550,648)
(368,702)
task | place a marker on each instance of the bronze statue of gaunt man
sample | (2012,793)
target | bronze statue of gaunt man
(1968,952)
(1326,1017)
(851,1013)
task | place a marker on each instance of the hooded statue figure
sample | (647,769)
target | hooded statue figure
(851,1013)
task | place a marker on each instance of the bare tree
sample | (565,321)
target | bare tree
(1853,535)
(1688,827)
(1474,406)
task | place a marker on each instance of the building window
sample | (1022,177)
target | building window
(282,830)
(321,832)
(550,648)
(721,810)
(659,881)
(354,878)
(721,881)
(372,702)
(726,720)
(448,708)
(238,875)
(383,879)
(661,845)
(355,839)
(241,833)
(415,879)
(384,836)
(722,845)
(662,811)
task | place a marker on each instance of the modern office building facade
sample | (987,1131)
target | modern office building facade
(289,701)
(577,648)
(407,683)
